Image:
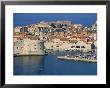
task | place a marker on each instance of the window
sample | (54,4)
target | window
(82,46)
(75,42)
(52,33)
(40,45)
(77,46)
(17,47)
(72,46)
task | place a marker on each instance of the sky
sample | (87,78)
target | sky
(23,19)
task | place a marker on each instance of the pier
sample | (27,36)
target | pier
(93,60)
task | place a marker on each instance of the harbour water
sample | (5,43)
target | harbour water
(51,65)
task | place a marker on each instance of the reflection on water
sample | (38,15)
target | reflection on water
(28,65)
(50,65)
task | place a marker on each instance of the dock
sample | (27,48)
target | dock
(78,59)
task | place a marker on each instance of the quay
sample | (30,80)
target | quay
(77,59)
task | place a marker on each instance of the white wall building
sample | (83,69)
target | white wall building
(27,46)
(57,44)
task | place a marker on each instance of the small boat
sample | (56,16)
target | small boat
(41,69)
